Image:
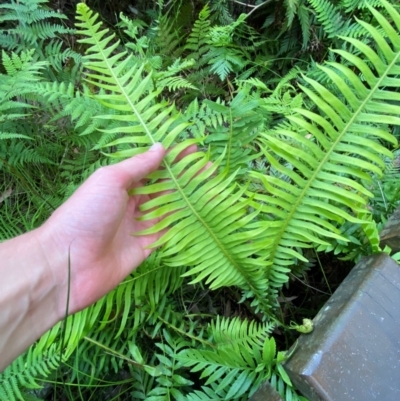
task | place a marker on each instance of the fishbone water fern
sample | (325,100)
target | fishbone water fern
(207,211)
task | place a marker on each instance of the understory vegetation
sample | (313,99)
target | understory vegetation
(295,103)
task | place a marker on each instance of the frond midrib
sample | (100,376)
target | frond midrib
(325,159)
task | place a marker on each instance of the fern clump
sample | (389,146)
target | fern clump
(291,158)
(28,25)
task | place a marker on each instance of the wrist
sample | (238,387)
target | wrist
(28,295)
(55,266)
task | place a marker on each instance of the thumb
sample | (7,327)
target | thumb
(138,167)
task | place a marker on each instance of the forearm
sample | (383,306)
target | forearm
(93,230)
(28,295)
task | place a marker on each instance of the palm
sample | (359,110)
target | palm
(95,228)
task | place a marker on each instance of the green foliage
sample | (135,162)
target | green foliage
(23,370)
(202,238)
(32,24)
(237,358)
(26,24)
(330,16)
(321,188)
(302,159)
(198,39)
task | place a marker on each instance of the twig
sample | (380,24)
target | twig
(309,286)
(244,4)
(254,7)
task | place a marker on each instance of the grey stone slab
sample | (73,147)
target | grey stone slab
(354,351)
(390,234)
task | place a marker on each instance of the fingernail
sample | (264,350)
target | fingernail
(156,146)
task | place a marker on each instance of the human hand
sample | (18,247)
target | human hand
(93,230)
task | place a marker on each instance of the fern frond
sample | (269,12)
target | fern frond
(27,24)
(168,39)
(171,80)
(344,144)
(26,370)
(28,11)
(304,17)
(12,135)
(224,60)
(291,9)
(223,56)
(330,17)
(232,374)
(386,189)
(208,394)
(202,118)
(22,68)
(351,5)
(41,30)
(235,333)
(56,56)
(151,282)
(197,41)
(209,218)
(243,121)
(220,12)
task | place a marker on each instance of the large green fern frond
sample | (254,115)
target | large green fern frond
(332,152)
(207,213)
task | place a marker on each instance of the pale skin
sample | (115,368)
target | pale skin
(92,234)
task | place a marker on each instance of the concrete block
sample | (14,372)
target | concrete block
(354,351)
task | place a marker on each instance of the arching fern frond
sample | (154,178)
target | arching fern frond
(20,68)
(172,79)
(303,14)
(57,56)
(28,11)
(224,57)
(291,9)
(208,214)
(344,145)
